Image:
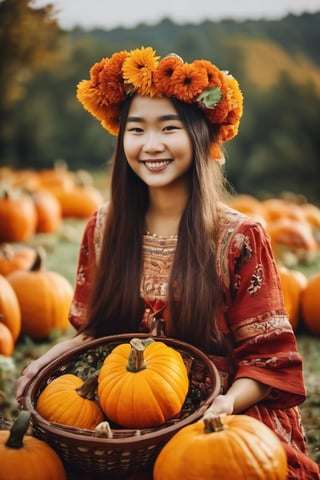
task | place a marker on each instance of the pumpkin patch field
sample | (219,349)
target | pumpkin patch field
(38,261)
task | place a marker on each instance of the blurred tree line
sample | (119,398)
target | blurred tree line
(278,146)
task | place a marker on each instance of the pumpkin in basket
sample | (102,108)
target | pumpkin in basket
(27,457)
(142,384)
(69,400)
(233,447)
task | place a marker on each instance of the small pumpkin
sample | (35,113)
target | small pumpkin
(10,311)
(293,283)
(26,457)
(15,258)
(142,384)
(80,201)
(17,217)
(310,304)
(48,210)
(44,297)
(233,447)
(69,400)
(6,340)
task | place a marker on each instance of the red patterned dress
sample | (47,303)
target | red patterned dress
(264,344)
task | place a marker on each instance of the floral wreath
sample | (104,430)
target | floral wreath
(141,71)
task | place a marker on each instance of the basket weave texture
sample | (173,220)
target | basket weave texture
(129,450)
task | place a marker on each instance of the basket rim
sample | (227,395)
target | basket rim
(73,434)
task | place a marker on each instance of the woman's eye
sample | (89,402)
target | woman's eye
(171,127)
(135,129)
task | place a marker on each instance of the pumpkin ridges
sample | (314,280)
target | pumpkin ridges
(245,449)
(27,457)
(44,298)
(310,304)
(6,340)
(9,308)
(133,399)
(60,402)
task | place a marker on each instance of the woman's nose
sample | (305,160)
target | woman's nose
(153,143)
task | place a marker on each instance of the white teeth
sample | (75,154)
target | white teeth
(158,164)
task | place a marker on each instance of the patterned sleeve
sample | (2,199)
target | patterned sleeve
(265,345)
(86,260)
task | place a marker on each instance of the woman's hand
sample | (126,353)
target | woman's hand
(222,404)
(36,365)
(242,394)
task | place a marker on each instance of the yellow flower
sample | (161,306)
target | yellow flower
(138,69)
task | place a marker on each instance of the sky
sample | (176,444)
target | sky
(108,14)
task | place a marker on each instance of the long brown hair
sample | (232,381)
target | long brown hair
(194,291)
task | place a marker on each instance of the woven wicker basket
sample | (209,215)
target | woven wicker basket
(128,451)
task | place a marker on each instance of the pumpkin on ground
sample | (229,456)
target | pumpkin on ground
(293,283)
(6,340)
(310,304)
(18,217)
(230,447)
(13,258)
(26,457)
(69,400)
(80,201)
(48,210)
(10,311)
(142,384)
(44,298)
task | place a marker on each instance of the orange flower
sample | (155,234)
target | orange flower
(189,80)
(227,132)
(111,80)
(162,77)
(92,99)
(95,71)
(138,69)
(215,76)
(111,119)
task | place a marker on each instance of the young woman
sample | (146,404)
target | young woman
(168,257)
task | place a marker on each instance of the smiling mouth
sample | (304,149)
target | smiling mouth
(157,164)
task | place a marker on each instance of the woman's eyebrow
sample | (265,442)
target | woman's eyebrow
(162,118)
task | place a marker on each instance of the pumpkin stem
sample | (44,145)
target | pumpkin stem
(18,430)
(212,423)
(136,359)
(88,388)
(39,260)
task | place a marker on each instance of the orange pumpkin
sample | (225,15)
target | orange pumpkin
(69,400)
(48,211)
(292,235)
(142,384)
(80,201)
(44,298)
(18,217)
(293,282)
(6,340)
(10,311)
(26,457)
(310,304)
(249,205)
(15,258)
(232,447)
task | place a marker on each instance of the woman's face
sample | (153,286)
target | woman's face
(156,142)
